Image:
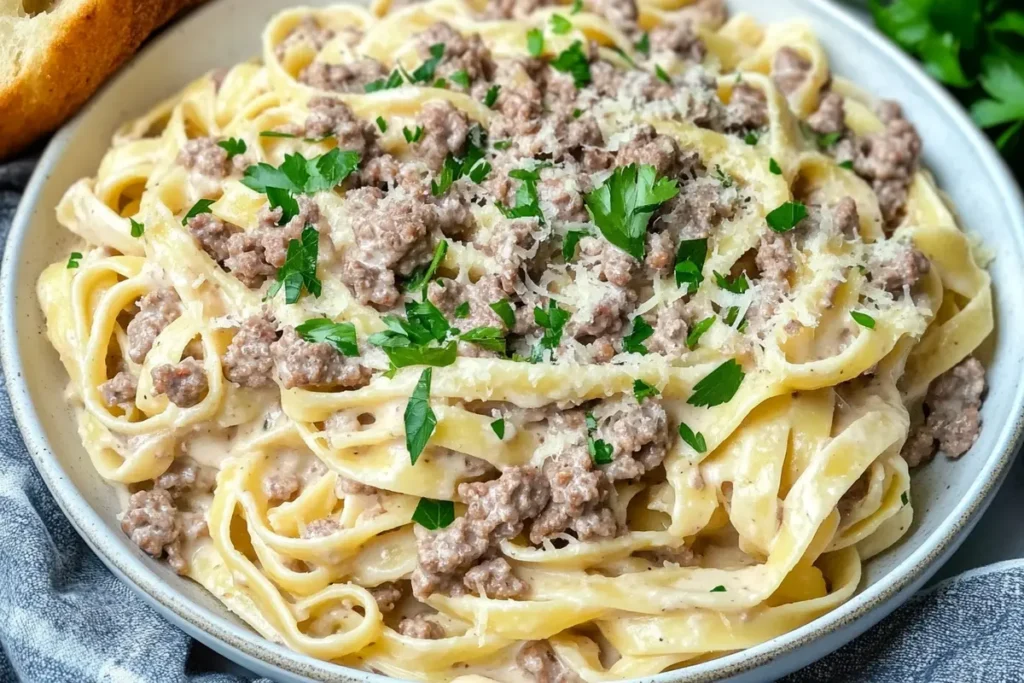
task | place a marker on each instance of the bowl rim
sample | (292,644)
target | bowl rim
(864,609)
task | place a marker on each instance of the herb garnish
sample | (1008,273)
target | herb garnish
(382,124)
(461,77)
(661,74)
(422,277)
(623,205)
(718,589)
(504,310)
(785,217)
(577,5)
(462,310)
(751,138)
(722,177)
(573,60)
(848,164)
(863,319)
(490,338)
(233,146)
(201,206)
(419,417)
(434,514)
(698,330)
(392,81)
(424,73)
(736,285)
(600,450)
(719,386)
(773,166)
(904,497)
(423,338)
(535,42)
(414,135)
(693,440)
(553,320)
(642,390)
(137,228)
(342,336)
(502,145)
(690,257)
(73,259)
(527,201)
(299,269)
(492,95)
(498,426)
(828,139)
(643,46)
(572,239)
(634,341)
(299,175)
(560,25)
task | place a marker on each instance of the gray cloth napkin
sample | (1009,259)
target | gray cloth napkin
(64,617)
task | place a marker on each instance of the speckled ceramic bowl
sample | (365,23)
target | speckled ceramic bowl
(949,497)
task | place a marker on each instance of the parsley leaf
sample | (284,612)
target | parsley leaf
(560,25)
(623,205)
(202,206)
(722,177)
(299,175)
(276,134)
(421,339)
(420,420)
(422,277)
(137,228)
(479,172)
(504,310)
(460,77)
(642,390)
(527,200)
(693,440)
(600,450)
(569,244)
(492,95)
(828,139)
(661,74)
(462,310)
(643,46)
(736,285)
(233,146)
(490,338)
(342,336)
(773,166)
(502,145)
(718,589)
(382,124)
(785,217)
(719,386)
(633,342)
(573,60)
(690,257)
(751,138)
(434,514)
(698,330)
(392,81)
(553,320)
(424,73)
(412,136)
(535,42)
(73,259)
(299,269)
(848,164)
(904,497)
(863,319)
(499,428)
(577,6)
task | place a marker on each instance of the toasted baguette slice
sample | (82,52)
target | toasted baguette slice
(55,53)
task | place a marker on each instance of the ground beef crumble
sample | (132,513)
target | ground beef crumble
(248,361)
(952,414)
(157,310)
(304,364)
(184,383)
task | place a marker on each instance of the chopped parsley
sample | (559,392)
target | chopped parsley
(502,145)
(422,277)
(785,217)
(492,95)
(276,134)
(634,341)
(904,497)
(643,46)
(572,239)
(535,42)
(424,73)
(490,338)
(434,514)
(73,259)
(527,201)
(576,113)
(722,177)
(479,172)
(299,175)
(382,124)
(342,336)
(773,166)
(504,310)
(202,206)
(299,269)
(863,319)
(694,440)
(419,417)
(439,83)
(498,426)
(460,77)
(472,164)
(577,6)
(233,146)
(553,320)
(698,330)
(560,25)
(829,139)
(392,81)
(642,390)
(573,60)
(462,310)
(751,138)
(718,589)
(600,450)
(137,228)
(848,164)
(719,386)
(690,257)
(736,285)
(423,338)
(414,135)
(661,74)
(622,206)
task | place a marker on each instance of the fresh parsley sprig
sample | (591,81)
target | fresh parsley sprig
(622,206)
(299,269)
(634,341)
(552,319)
(527,200)
(299,175)
(574,61)
(719,386)
(690,257)
(420,420)
(342,336)
(434,514)
(600,451)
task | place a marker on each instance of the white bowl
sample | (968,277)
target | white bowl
(949,497)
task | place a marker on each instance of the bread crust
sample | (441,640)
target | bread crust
(87,46)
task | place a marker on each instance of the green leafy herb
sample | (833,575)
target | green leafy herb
(424,73)
(423,338)
(462,310)
(137,228)
(904,497)
(751,138)
(504,310)
(492,95)
(698,330)
(502,145)
(276,134)
(499,428)
(439,83)
(560,25)
(299,269)
(572,239)
(382,124)
(576,113)
(848,164)
(299,175)
(690,257)
(622,206)
(392,81)
(736,285)
(643,46)
(773,166)
(527,201)
(718,589)
(863,319)
(73,259)
(233,146)
(692,439)
(283,199)
(828,140)
(414,135)
(202,206)
(434,514)
(661,74)
(460,77)
(490,338)
(421,278)
(577,6)
(553,320)
(785,217)
(574,61)
(634,341)
(479,172)
(419,417)
(535,42)
(600,450)
(730,315)
(342,336)
(642,390)
(722,177)
(719,386)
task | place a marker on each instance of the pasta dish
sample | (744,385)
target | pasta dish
(519,340)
